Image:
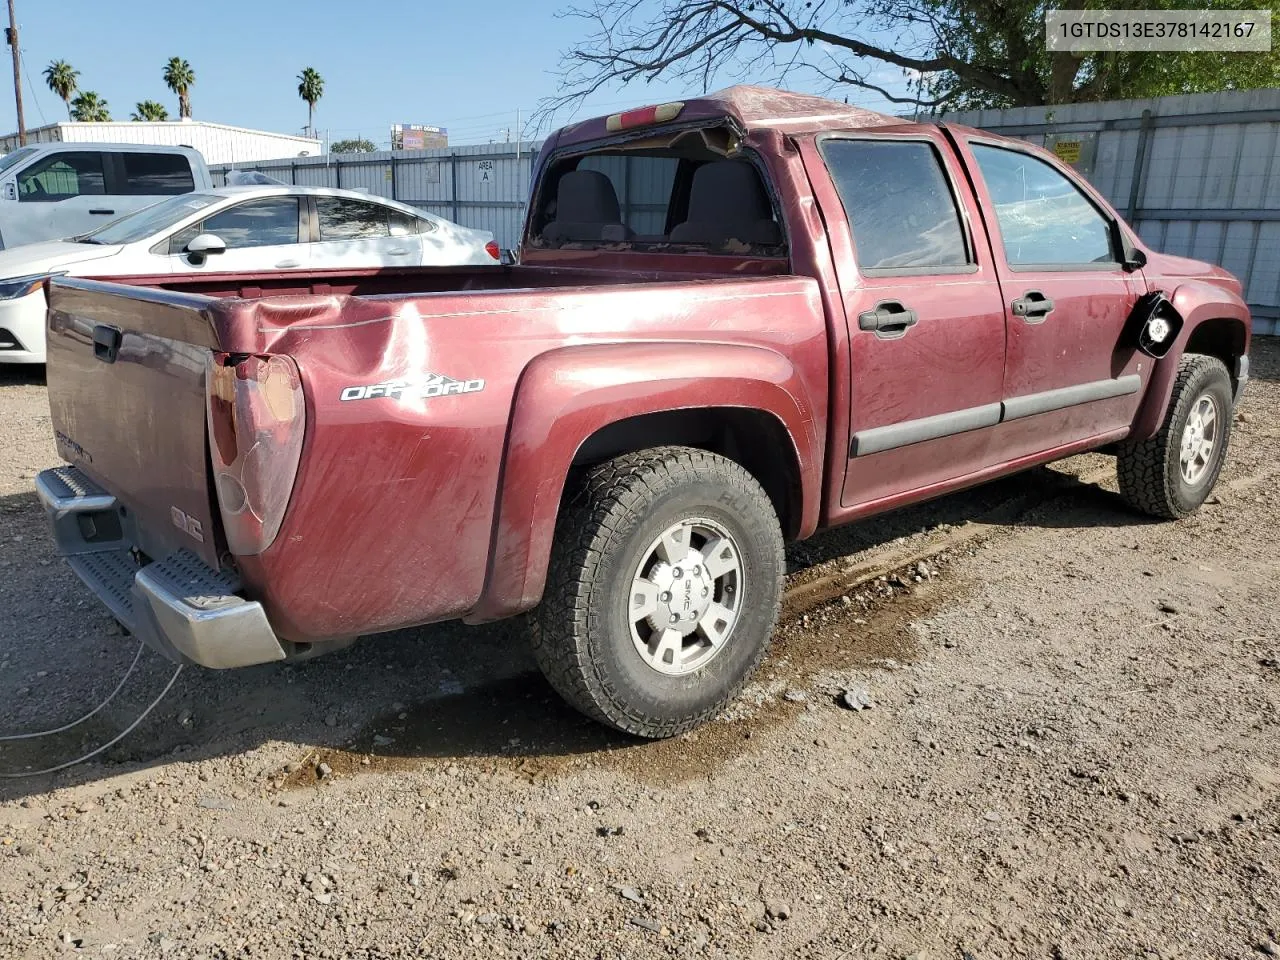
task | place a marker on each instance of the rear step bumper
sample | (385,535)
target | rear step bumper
(178,606)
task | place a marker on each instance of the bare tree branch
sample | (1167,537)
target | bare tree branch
(954,53)
(632,41)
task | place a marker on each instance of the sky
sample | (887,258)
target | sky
(468,66)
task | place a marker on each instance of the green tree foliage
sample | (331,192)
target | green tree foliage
(356,145)
(947,53)
(310,89)
(89,108)
(149,110)
(180,78)
(62,80)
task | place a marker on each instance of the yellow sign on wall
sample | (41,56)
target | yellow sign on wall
(1076,149)
(1068,151)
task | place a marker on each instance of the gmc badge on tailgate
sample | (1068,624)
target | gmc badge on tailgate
(188,525)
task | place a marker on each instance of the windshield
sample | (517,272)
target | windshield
(10,159)
(150,220)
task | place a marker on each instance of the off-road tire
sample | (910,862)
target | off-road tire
(580,633)
(1149,470)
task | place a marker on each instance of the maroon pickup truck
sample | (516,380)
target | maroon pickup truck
(734,321)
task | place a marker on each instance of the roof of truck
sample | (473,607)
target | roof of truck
(755,107)
(768,107)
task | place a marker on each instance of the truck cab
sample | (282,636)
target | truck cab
(49,191)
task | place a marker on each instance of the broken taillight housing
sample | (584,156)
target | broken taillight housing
(257,417)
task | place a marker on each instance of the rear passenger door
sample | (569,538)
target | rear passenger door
(150,176)
(923,307)
(1070,375)
(357,234)
(137,179)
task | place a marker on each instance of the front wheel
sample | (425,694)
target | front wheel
(663,590)
(1171,474)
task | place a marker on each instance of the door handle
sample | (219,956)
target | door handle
(1033,307)
(287,264)
(106,343)
(103,213)
(399,251)
(890,320)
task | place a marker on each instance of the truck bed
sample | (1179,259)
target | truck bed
(393,518)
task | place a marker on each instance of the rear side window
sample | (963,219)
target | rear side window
(157,174)
(1044,218)
(342,219)
(407,225)
(899,204)
(62,176)
(259,223)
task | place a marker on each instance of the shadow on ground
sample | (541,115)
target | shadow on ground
(446,691)
(22,374)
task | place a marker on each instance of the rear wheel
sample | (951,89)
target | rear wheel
(663,590)
(1171,474)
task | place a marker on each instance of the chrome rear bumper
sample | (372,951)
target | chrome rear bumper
(178,606)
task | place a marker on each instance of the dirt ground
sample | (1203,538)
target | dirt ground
(1074,752)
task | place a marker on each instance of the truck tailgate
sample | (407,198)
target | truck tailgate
(126,374)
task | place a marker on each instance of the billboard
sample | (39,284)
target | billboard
(417,136)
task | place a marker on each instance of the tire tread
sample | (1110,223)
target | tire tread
(1142,466)
(588,528)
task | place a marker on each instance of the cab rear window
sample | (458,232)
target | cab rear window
(683,195)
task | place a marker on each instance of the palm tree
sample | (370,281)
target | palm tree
(310,89)
(180,78)
(150,110)
(61,78)
(89,108)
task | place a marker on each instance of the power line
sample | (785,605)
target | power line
(26,67)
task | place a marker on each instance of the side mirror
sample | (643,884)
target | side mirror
(204,244)
(10,190)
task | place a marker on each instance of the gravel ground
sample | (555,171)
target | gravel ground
(1073,751)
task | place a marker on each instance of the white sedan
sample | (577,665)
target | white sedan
(238,229)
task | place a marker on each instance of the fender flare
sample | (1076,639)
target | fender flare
(566,395)
(1198,303)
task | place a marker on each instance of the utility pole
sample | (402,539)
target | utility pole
(11,35)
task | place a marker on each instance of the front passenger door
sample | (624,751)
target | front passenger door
(63,195)
(924,314)
(260,235)
(1070,375)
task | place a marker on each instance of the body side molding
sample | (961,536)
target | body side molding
(894,435)
(1016,408)
(878,439)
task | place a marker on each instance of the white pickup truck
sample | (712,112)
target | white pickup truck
(53,190)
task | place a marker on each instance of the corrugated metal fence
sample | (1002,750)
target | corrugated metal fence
(1196,175)
(479,186)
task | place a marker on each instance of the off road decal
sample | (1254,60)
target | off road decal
(432,385)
